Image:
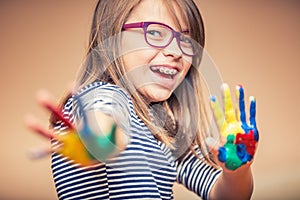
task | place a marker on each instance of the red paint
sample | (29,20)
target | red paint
(248,140)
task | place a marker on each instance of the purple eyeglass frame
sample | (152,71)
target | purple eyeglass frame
(145,25)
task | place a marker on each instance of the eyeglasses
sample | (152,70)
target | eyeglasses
(160,35)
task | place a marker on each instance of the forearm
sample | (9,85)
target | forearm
(236,184)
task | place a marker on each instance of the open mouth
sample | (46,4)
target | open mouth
(164,71)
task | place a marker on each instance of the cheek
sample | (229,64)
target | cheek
(128,61)
(187,63)
(138,58)
(134,50)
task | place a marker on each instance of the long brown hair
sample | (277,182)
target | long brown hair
(185,110)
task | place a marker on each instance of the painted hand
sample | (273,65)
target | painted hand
(241,138)
(72,143)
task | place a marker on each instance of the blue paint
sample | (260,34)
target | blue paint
(232,154)
(242,153)
(222,154)
(252,119)
(242,106)
(252,113)
(229,154)
(213,98)
(245,126)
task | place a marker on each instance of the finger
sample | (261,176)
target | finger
(252,111)
(241,108)
(38,153)
(46,100)
(32,123)
(252,117)
(228,107)
(218,114)
(241,111)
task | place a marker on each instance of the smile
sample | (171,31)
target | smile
(164,71)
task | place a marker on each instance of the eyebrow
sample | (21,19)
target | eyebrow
(185,31)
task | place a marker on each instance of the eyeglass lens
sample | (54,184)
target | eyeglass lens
(161,36)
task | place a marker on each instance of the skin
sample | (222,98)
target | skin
(151,85)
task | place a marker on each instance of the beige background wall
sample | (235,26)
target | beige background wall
(255,43)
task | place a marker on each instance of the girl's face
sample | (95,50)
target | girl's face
(155,72)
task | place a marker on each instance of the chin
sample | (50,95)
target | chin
(156,93)
(159,98)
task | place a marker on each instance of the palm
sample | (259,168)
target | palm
(67,143)
(241,138)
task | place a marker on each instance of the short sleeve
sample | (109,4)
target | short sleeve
(196,174)
(107,98)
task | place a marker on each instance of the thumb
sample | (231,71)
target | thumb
(212,145)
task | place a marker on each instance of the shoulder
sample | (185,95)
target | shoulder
(104,98)
(101,89)
(101,96)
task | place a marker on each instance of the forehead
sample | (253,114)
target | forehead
(159,11)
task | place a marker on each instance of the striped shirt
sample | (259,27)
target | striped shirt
(146,168)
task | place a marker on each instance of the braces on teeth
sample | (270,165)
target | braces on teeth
(167,71)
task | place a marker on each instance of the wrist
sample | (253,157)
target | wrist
(242,172)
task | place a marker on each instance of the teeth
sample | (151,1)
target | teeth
(165,70)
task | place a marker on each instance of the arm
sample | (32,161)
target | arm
(236,184)
(196,174)
(90,136)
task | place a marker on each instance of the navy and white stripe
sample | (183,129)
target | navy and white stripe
(146,169)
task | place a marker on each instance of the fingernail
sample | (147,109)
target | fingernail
(224,86)
(252,98)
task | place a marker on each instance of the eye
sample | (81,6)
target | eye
(186,41)
(154,33)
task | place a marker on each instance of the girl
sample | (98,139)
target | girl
(140,93)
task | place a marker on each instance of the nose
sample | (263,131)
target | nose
(173,49)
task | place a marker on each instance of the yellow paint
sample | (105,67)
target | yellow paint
(73,148)
(228,124)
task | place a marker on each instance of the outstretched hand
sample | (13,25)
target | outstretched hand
(239,139)
(71,143)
